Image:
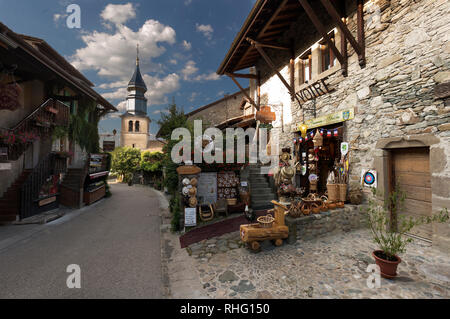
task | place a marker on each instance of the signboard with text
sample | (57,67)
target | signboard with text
(190,217)
(338,117)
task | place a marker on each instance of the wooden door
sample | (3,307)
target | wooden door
(411,172)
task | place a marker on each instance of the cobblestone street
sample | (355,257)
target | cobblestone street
(327,267)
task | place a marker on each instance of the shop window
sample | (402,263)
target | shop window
(137,126)
(130,126)
(305,68)
(328,59)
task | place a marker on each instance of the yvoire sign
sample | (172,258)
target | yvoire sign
(314,90)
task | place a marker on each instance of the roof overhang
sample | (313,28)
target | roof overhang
(52,61)
(267,22)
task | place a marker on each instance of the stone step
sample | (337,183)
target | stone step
(262,197)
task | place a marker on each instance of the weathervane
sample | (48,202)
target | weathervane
(137,54)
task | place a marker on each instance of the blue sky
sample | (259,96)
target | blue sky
(182,43)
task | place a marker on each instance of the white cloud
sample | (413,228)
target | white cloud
(173,61)
(189,70)
(193,97)
(156,112)
(207,30)
(158,88)
(118,13)
(113,85)
(207,77)
(187,2)
(113,54)
(187,45)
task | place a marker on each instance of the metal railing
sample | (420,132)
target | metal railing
(38,124)
(31,188)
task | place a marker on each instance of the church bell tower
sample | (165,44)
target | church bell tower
(135,122)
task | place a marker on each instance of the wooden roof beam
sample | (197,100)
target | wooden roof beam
(268,45)
(321,29)
(242,90)
(338,19)
(274,69)
(271,19)
(244,76)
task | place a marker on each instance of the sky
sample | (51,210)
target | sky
(182,43)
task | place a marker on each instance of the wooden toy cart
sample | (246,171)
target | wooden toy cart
(274,229)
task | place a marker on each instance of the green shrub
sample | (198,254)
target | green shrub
(389,232)
(175,209)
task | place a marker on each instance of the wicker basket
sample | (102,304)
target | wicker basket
(232,201)
(333,192)
(342,192)
(266,221)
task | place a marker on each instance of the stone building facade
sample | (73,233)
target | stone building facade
(218,112)
(407,54)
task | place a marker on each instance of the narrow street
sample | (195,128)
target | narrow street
(116,243)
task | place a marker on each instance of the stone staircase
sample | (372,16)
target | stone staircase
(261,192)
(10,202)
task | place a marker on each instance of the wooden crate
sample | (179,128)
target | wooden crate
(94,196)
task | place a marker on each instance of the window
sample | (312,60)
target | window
(327,57)
(305,67)
(137,126)
(130,126)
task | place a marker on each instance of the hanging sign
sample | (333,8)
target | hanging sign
(265,115)
(344,148)
(190,217)
(334,118)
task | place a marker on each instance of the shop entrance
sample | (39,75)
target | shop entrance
(411,172)
(329,154)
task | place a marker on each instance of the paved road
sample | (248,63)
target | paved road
(116,242)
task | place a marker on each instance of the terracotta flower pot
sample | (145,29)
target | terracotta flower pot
(388,268)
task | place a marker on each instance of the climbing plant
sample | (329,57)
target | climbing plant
(83,127)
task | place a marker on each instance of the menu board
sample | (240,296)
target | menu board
(207,188)
(190,217)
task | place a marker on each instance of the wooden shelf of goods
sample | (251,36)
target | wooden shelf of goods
(95,195)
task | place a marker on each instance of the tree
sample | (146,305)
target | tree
(125,161)
(174,119)
(152,162)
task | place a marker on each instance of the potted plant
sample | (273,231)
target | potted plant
(389,229)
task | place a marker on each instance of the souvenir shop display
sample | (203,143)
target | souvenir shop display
(284,177)
(322,161)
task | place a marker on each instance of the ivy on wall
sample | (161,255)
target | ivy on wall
(83,128)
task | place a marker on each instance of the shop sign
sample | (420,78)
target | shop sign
(314,90)
(207,188)
(334,118)
(190,217)
(265,115)
(47,201)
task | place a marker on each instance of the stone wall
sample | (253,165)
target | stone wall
(219,111)
(407,55)
(326,223)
